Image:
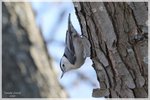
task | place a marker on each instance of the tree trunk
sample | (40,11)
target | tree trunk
(26,67)
(118,33)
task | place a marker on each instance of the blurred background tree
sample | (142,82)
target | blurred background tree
(26,67)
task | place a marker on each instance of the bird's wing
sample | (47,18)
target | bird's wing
(69,50)
(69,42)
(70,56)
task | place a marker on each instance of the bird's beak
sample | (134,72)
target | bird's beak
(62,74)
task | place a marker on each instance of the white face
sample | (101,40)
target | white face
(65,64)
(62,65)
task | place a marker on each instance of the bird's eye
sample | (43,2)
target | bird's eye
(63,65)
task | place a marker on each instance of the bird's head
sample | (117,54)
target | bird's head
(65,65)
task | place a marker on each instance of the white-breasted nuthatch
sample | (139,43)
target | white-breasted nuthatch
(76,50)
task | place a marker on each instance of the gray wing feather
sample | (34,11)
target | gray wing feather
(69,50)
(70,56)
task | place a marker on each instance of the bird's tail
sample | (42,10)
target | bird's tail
(71,29)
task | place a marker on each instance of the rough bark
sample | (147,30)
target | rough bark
(118,33)
(26,67)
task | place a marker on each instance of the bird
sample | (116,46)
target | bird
(77,49)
